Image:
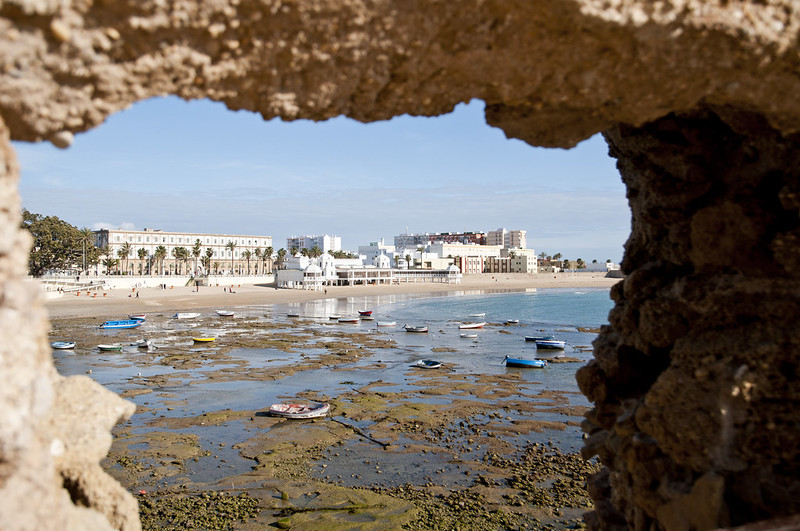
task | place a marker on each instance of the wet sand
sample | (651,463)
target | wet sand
(401,448)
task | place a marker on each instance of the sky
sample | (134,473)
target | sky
(197,167)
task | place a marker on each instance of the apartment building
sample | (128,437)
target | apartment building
(227,253)
(507,238)
(410,241)
(325,243)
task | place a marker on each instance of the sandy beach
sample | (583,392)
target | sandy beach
(119,302)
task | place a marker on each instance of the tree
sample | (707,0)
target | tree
(267,255)
(160,254)
(292,251)
(56,244)
(543,255)
(207,259)
(231,246)
(90,252)
(247,255)
(581,264)
(110,263)
(281,257)
(142,254)
(420,250)
(181,255)
(408,261)
(315,252)
(257,253)
(565,265)
(216,268)
(196,252)
(557,257)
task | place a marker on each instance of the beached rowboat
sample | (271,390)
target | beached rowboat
(427,364)
(470,326)
(365,312)
(387,323)
(538,338)
(349,320)
(186,315)
(416,329)
(517,362)
(109,347)
(125,323)
(138,316)
(203,339)
(224,313)
(469,336)
(142,343)
(553,344)
(299,411)
(62,345)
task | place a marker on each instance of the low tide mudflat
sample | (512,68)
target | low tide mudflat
(403,447)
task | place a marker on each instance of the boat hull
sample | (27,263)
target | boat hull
(416,329)
(127,323)
(299,411)
(427,364)
(62,345)
(528,364)
(186,315)
(108,348)
(550,344)
(471,326)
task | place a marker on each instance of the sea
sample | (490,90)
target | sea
(573,315)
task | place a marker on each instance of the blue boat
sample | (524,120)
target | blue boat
(538,338)
(517,362)
(125,323)
(553,344)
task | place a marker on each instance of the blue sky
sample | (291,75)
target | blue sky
(198,167)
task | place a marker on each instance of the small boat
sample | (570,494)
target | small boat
(416,329)
(469,336)
(186,315)
(299,411)
(109,347)
(224,313)
(125,323)
(470,326)
(538,338)
(334,317)
(138,316)
(553,344)
(517,362)
(203,339)
(62,345)
(292,315)
(478,314)
(349,320)
(365,312)
(142,343)
(387,323)
(427,364)
(512,321)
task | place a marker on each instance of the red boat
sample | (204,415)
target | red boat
(365,312)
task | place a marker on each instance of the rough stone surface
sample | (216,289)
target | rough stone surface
(695,381)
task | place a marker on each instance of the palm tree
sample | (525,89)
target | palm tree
(231,246)
(124,252)
(281,257)
(216,268)
(557,257)
(110,263)
(543,255)
(315,252)
(420,250)
(207,259)
(142,254)
(85,236)
(160,254)
(196,252)
(267,255)
(247,255)
(257,254)
(408,261)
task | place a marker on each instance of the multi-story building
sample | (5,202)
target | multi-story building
(325,243)
(507,238)
(410,241)
(227,253)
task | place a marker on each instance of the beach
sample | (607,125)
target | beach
(118,302)
(402,447)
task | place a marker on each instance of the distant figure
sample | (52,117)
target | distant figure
(137,294)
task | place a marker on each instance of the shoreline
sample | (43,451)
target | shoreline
(118,301)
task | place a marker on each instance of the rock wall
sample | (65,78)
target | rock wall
(695,379)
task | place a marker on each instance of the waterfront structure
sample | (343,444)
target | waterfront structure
(507,238)
(324,242)
(368,253)
(222,253)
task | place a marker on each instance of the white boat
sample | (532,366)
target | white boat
(512,321)
(349,320)
(416,329)
(62,345)
(299,411)
(427,364)
(478,314)
(334,317)
(470,326)
(225,313)
(387,323)
(466,335)
(553,344)
(186,315)
(143,343)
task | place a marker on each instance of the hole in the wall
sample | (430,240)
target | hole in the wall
(197,167)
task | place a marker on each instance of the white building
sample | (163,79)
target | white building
(325,243)
(228,253)
(368,253)
(507,238)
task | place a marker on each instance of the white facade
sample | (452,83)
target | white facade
(228,261)
(325,243)
(507,238)
(446,250)
(375,249)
